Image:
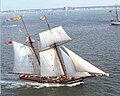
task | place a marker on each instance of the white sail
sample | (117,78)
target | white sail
(70,67)
(81,74)
(55,35)
(116,21)
(50,64)
(24,59)
(82,65)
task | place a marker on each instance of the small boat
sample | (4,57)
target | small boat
(54,63)
(116,21)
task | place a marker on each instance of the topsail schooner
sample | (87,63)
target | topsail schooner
(56,63)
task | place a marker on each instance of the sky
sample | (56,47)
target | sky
(43,4)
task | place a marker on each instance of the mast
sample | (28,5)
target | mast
(64,70)
(30,41)
(117,19)
(29,37)
(55,46)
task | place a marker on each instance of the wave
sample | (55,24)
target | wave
(10,26)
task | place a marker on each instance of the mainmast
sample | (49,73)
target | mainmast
(55,46)
(117,19)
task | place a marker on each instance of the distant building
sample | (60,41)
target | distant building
(68,8)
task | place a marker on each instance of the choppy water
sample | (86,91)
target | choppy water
(93,39)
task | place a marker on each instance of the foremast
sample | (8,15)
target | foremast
(30,41)
(27,48)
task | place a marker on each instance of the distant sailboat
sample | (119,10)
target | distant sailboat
(56,63)
(116,21)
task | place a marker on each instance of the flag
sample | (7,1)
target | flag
(42,17)
(8,43)
(15,18)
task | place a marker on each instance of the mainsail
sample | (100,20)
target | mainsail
(82,65)
(50,37)
(24,59)
(50,64)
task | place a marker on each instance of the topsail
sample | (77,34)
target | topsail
(50,37)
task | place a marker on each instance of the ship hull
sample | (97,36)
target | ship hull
(51,79)
(115,23)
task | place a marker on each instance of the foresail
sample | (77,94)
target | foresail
(24,59)
(82,65)
(81,74)
(50,64)
(55,35)
(70,67)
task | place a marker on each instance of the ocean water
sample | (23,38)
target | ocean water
(94,39)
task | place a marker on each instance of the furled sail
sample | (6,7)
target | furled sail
(50,64)
(70,67)
(55,35)
(82,65)
(24,59)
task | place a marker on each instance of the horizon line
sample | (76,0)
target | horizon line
(90,6)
